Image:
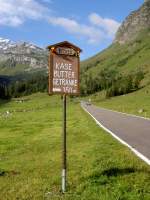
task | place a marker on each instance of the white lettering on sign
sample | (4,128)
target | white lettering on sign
(63,74)
(65,82)
(69,90)
(65,77)
(63,66)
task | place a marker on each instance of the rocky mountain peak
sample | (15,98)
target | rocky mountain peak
(5,44)
(138,20)
(22,53)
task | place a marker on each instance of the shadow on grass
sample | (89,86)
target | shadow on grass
(117,172)
(12,172)
(105,176)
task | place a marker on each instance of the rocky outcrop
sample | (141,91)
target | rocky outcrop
(31,56)
(134,23)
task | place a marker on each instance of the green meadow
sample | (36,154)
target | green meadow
(99,167)
(137,103)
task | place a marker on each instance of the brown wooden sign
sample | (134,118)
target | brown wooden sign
(64,69)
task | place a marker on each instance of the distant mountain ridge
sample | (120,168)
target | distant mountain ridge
(21,57)
(6,45)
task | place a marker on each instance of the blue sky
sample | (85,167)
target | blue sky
(90,24)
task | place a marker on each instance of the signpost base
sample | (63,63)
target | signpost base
(63,180)
(64,163)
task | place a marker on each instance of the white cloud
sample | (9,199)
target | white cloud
(97,30)
(93,34)
(15,12)
(10,21)
(110,26)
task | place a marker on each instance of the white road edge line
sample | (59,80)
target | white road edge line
(119,139)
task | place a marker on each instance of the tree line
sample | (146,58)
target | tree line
(109,80)
(38,83)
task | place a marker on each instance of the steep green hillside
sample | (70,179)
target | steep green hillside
(119,59)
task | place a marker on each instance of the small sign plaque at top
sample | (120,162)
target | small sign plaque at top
(65,51)
(64,69)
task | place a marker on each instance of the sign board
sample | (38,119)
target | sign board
(64,69)
(64,79)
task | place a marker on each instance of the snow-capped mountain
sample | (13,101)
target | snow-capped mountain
(25,56)
(5,44)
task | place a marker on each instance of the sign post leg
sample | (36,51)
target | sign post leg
(64,161)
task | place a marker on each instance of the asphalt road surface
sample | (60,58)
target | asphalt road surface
(135,131)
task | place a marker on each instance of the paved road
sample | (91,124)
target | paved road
(133,130)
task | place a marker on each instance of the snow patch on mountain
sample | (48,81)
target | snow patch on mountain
(22,53)
(6,43)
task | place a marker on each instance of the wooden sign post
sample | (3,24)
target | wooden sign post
(64,65)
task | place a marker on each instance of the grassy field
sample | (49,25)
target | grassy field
(99,168)
(137,103)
